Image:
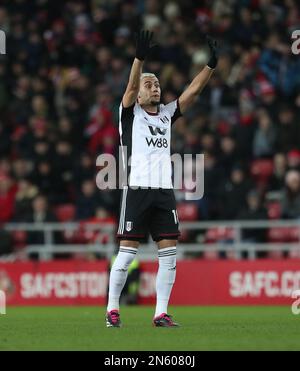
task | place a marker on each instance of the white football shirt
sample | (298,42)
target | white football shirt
(145,142)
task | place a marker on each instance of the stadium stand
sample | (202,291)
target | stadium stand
(63,77)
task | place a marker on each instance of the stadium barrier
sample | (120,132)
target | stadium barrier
(211,239)
(199,282)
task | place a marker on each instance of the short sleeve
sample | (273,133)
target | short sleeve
(126,113)
(174,110)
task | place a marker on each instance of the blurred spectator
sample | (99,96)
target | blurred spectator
(41,213)
(21,168)
(65,131)
(84,169)
(279,65)
(293,159)
(291,198)
(102,218)
(288,130)
(253,211)
(7,198)
(5,167)
(233,193)
(49,182)
(117,77)
(6,245)
(213,177)
(62,81)
(63,162)
(27,139)
(41,151)
(88,201)
(264,136)
(228,156)
(177,139)
(5,140)
(101,132)
(244,133)
(277,179)
(24,198)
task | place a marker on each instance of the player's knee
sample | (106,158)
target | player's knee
(162,244)
(129,243)
(125,257)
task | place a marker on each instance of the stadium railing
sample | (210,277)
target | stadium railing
(201,238)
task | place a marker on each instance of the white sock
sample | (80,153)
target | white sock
(165,278)
(118,276)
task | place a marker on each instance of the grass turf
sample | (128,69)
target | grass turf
(203,328)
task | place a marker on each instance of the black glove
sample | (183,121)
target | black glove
(143,41)
(213,61)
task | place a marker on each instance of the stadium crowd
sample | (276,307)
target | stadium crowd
(62,80)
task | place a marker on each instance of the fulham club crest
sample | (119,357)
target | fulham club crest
(129,226)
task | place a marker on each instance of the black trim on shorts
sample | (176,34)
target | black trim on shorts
(131,235)
(163,236)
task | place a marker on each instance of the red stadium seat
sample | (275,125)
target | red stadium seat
(187,211)
(19,239)
(210,255)
(211,235)
(261,170)
(65,213)
(277,234)
(184,235)
(219,234)
(83,235)
(294,254)
(293,234)
(283,234)
(275,255)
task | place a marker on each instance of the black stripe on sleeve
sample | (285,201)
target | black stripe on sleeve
(177,113)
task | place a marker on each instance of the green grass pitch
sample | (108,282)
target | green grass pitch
(203,328)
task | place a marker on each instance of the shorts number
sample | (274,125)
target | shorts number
(175,216)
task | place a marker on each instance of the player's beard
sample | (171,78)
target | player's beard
(155,102)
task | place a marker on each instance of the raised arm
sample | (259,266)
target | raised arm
(189,96)
(143,41)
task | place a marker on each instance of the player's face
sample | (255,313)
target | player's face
(149,93)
